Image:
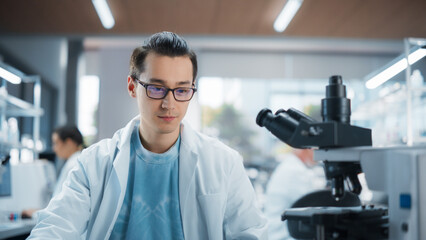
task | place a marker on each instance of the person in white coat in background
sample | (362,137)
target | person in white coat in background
(156,178)
(67,143)
(296,175)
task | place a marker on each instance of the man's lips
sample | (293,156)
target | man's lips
(167,118)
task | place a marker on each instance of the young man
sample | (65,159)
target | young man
(156,178)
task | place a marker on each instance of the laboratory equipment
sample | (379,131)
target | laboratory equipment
(399,172)
(300,131)
(5,185)
(22,185)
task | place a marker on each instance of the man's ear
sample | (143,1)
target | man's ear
(131,87)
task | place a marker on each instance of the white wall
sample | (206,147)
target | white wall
(288,65)
(116,107)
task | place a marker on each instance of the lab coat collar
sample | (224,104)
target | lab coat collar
(187,134)
(188,158)
(121,161)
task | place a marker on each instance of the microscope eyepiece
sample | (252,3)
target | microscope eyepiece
(282,125)
(335,106)
(335,79)
(261,116)
(298,115)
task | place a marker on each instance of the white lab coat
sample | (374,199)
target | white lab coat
(216,197)
(291,180)
(70,163)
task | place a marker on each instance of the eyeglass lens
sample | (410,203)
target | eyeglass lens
(158,92)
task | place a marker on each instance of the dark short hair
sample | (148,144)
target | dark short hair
(70,132)
(165,44)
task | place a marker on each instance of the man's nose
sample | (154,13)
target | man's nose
(169,101)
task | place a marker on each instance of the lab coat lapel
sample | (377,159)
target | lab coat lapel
(122,160)
(115,188)
(188,159)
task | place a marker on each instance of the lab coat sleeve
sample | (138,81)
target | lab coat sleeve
(67,214)
(243,220)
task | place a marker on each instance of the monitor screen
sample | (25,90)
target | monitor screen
(5,178)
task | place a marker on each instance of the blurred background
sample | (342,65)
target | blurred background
(74,64)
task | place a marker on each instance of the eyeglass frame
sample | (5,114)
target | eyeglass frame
(146,85)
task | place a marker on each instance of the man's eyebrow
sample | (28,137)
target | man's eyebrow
(162,82)
(184,82)
(156,80)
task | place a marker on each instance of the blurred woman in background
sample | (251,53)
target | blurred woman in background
(67,143)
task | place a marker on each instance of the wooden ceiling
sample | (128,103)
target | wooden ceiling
(382,19)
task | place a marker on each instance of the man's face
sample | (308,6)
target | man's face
(162,116)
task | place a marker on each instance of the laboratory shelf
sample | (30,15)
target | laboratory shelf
(9,145)
(11,106)
(16,107)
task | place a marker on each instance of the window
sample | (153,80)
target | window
(88,100)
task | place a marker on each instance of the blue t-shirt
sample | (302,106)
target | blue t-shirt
(151,207)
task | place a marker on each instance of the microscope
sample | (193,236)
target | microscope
(346,151)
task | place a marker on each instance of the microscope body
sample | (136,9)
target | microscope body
(346,151)
(300,131)
(400,173)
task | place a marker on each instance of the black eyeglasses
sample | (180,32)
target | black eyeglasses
(181,94)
